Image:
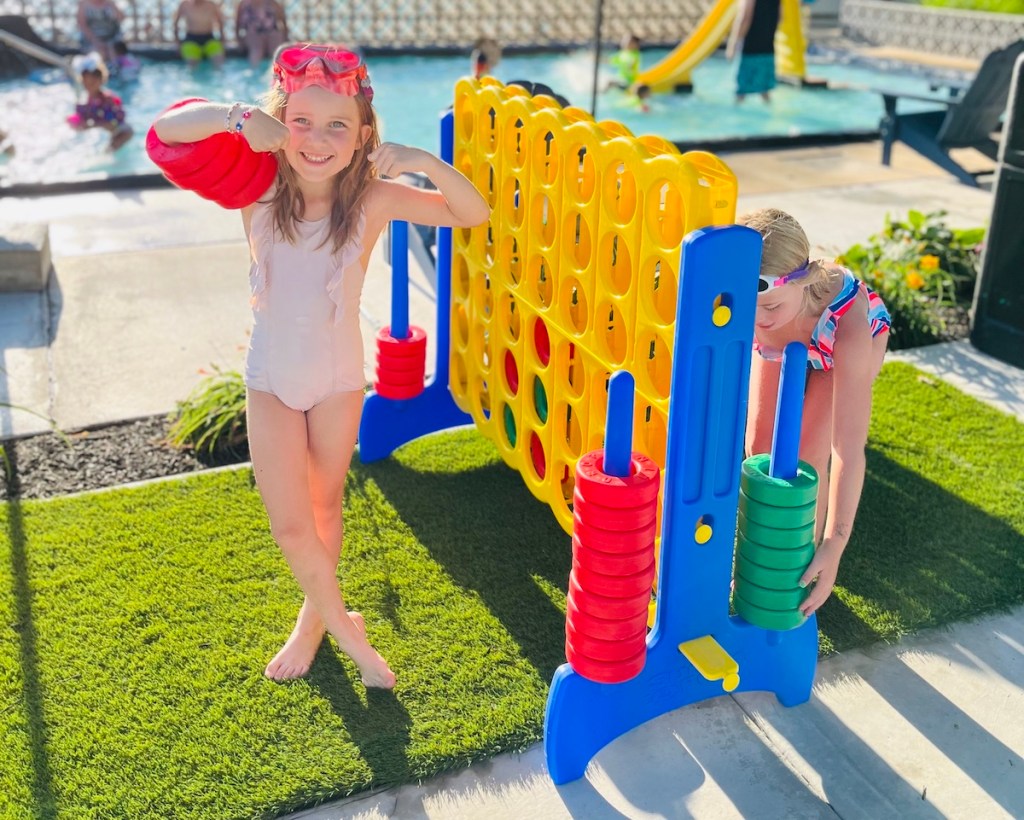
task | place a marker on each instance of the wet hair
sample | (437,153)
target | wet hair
(351,184)
(643,91)
(785,250)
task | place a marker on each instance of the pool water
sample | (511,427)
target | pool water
(411,91)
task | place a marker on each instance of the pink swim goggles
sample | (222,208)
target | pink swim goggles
(766,283)
(298,65)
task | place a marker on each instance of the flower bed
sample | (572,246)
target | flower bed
(925,272)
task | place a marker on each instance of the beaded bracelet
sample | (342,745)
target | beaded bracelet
(237,128)
(241,120)
(229,115)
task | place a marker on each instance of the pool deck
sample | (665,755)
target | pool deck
(151,289)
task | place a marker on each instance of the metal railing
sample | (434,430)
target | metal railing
(403,24)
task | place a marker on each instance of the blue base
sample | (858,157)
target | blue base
(582,717)
(387,424)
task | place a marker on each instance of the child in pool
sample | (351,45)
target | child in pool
(627,62)
(311,235)
(125,66)
(204,31)
(845,326)
(102,108)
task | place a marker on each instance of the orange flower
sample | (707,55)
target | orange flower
(914,280)
(929,262)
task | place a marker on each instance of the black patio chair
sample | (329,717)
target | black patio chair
(967,120)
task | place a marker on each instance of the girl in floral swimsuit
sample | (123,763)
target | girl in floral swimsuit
(845,326)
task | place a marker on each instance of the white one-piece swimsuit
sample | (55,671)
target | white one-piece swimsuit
(306,342)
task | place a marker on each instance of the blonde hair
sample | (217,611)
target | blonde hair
(785,250)
(350,185)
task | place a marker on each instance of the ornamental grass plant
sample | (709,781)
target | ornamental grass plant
(211,419)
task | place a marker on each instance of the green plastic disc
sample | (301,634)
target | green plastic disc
(776,558)
(767,618)
(510,426)
(767,577)
(778,518)
(772,537)
(780,492)
(540,400)
(769,598)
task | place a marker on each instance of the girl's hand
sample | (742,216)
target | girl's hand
(393,160)
(823,569)
(263,132)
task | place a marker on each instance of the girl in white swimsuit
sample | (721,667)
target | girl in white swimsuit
(311,236)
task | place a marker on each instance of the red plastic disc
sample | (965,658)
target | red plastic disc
(635,490)
(401,366)
(604,628)
(611,563)
(613,541)
(613,518)
(605,606)
(391,391)
(413,345)
(398,381)
(614,586)
(600,650)
(605,671)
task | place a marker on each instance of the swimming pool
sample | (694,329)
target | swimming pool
(410,93)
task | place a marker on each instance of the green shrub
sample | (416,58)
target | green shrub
(211,420)
(1000,6)
(925,273)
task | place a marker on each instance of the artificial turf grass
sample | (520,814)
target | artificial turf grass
(134,625)
(154,610)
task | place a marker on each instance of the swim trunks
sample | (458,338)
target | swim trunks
(306,341)
(197,46)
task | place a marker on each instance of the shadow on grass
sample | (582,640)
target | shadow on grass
(491,536)
(920,556)
(380,728)
(35,719)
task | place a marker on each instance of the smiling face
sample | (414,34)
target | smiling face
(778,307)
(326,130)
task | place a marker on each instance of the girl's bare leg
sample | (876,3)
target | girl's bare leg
(331,430)
(279,446)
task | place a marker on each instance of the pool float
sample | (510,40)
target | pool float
(222,167)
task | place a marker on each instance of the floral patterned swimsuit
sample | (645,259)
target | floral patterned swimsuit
(823,337)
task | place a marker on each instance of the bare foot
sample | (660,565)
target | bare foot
(373,668)
(296,656)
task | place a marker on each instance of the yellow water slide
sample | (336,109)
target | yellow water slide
(712,31)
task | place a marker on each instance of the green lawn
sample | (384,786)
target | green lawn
(134,625)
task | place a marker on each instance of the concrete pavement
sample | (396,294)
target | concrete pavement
(151,289)
(928,728)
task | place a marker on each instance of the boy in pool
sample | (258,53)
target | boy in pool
(204,31)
